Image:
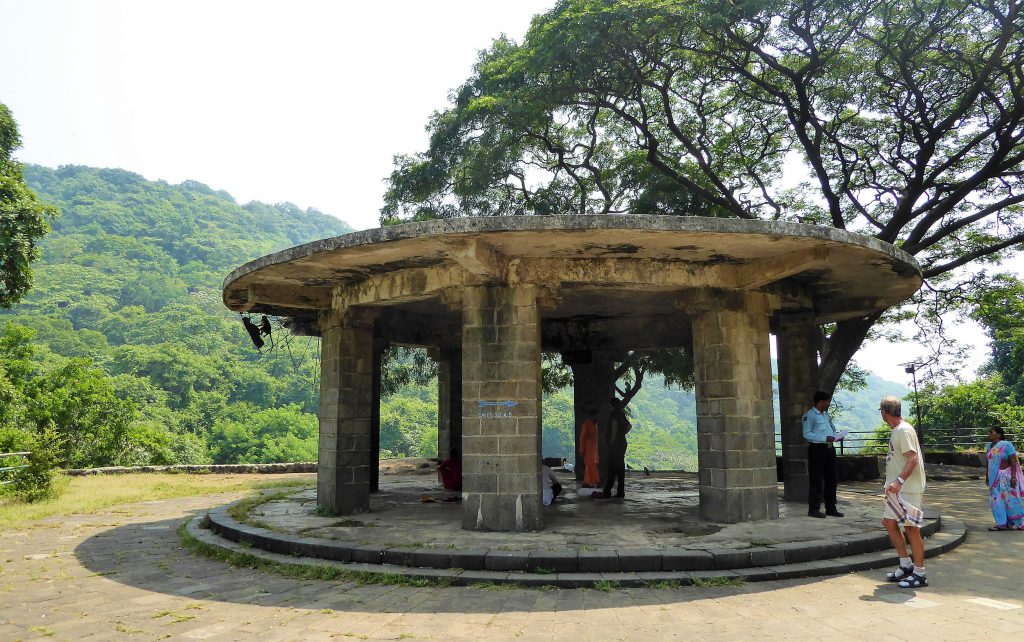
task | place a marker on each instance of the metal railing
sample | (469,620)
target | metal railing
(4,469)
(933,440)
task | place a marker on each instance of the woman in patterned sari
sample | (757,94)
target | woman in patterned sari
(1005,482)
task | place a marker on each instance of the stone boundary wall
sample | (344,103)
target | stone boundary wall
(298,467)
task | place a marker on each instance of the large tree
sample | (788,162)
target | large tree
(901,119)
(23,219)
(1000,308)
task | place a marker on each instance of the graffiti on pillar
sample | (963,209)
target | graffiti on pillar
(496,409)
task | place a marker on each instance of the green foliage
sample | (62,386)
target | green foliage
(23,218)
(904,114)
(35,482)
(1000,308)
(408,422)
(124,350)
(248,435)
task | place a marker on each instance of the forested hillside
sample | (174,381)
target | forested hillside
(123,353)
(123,349)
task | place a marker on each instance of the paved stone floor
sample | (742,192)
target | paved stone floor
(121,574)
(661,510)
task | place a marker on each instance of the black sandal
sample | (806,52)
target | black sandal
(901,573)
(914,581)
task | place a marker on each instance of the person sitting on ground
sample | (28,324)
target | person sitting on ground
(1005,482)
(450,471)
(550,485)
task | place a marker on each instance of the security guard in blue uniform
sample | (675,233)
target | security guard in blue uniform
(820,433)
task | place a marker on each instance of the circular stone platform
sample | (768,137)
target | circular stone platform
(655,535)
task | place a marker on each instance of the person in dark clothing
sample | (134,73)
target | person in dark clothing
(618,427)
(820,433)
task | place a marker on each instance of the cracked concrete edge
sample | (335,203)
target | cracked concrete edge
(953,533)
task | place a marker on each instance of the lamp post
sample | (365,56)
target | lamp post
(911,369)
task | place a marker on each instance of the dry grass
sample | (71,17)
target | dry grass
(84,495)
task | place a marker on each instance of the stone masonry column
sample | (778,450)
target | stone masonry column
(449,401)
(798,367)
(735,426)
(501,409)
(379,346)
(592,388)
(346,400)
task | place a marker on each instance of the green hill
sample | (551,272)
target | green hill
(126,301)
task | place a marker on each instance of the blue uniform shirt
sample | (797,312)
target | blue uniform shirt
(818,426)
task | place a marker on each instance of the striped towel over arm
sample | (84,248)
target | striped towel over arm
(904,511)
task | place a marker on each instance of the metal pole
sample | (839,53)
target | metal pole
(917,407)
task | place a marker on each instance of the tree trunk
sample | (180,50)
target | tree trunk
(840,348)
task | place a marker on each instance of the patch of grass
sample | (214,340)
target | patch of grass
(493,586)
(241,510)
(707,582)
(354,523)
(95,493)
(606,586)
(667,584)
(541,570)
(175,617)
(44,631)
(301,571)
(121,627)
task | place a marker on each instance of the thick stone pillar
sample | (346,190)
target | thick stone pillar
(449,401)
(798,372)
(592,388)
(379,346)
(346,413)
(735,426)
(501,409)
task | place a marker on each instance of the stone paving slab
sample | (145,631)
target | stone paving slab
(91,571)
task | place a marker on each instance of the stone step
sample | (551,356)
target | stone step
(785,561)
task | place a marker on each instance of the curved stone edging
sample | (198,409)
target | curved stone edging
(762,562)
(942,536)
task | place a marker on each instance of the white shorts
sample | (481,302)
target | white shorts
(914,499)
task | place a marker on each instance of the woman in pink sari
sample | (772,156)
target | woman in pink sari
(1005,482)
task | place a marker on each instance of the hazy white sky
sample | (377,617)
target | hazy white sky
(304,101)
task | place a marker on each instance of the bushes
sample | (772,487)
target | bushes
(35,482)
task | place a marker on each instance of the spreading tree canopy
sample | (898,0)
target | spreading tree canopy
(23,219)
(901,119)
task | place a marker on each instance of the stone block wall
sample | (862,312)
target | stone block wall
(501,409)
(346,415)
(798,365)
(735,427)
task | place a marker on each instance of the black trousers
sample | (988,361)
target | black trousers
(616,470)
(821,469)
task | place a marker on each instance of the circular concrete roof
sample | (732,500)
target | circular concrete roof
(627,258)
